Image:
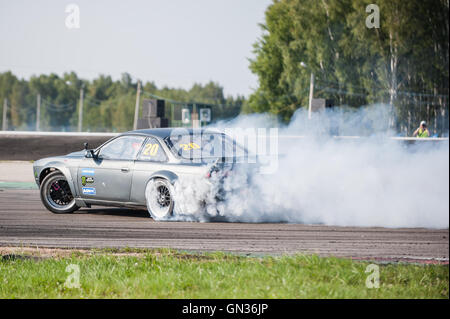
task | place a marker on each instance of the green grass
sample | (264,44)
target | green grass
(18,185)
(170,274)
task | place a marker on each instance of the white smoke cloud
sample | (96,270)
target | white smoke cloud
(321,179)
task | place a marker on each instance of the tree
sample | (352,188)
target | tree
(402,63)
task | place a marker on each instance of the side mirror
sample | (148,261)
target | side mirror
(89,152)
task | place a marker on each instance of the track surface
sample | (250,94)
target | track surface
(24,221)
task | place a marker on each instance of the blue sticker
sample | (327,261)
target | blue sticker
(88,171)
(89,191)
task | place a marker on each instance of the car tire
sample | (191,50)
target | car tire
(159,199)
(56,194)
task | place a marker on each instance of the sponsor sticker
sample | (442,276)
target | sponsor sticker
(88,171)
(89,190)
(86,180)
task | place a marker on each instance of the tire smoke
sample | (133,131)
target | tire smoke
(324,178)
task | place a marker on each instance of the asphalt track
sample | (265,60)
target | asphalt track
(25,222)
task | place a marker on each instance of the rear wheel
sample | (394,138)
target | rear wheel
(159,197)
(56,194)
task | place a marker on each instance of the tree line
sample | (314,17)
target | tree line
(108,105)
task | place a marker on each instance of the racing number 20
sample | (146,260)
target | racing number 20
(150,149)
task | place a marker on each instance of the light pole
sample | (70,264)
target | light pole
(80,110)
(38,111)
(311,89)
(5,113)
(136,108)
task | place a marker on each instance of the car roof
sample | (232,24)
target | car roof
(167,131)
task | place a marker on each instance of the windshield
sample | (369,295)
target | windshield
(205,146)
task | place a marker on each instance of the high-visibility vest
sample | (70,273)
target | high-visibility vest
(423,133)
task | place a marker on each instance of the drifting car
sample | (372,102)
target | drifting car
(119,172)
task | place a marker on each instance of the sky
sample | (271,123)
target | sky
(171,42)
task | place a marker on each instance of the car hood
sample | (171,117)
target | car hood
(75,156)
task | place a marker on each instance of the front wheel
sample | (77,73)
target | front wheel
(56,194)
(159,197)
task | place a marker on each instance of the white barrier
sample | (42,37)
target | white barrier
(34,133)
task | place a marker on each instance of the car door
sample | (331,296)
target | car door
(108,176)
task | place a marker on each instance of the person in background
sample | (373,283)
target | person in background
(422,131)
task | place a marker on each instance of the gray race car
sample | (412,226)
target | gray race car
(119,172)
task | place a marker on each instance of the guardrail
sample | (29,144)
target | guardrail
(26,146)
(397,138)
(33,133)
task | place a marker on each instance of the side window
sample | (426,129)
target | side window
(122,148)
(152,151)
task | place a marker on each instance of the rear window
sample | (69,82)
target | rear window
(152,151)
(205,146)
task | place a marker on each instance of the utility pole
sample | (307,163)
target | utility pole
(136,109)
(311,94)
(80,111)
(38,111)
(5,109)
(195,118)
(311,88)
